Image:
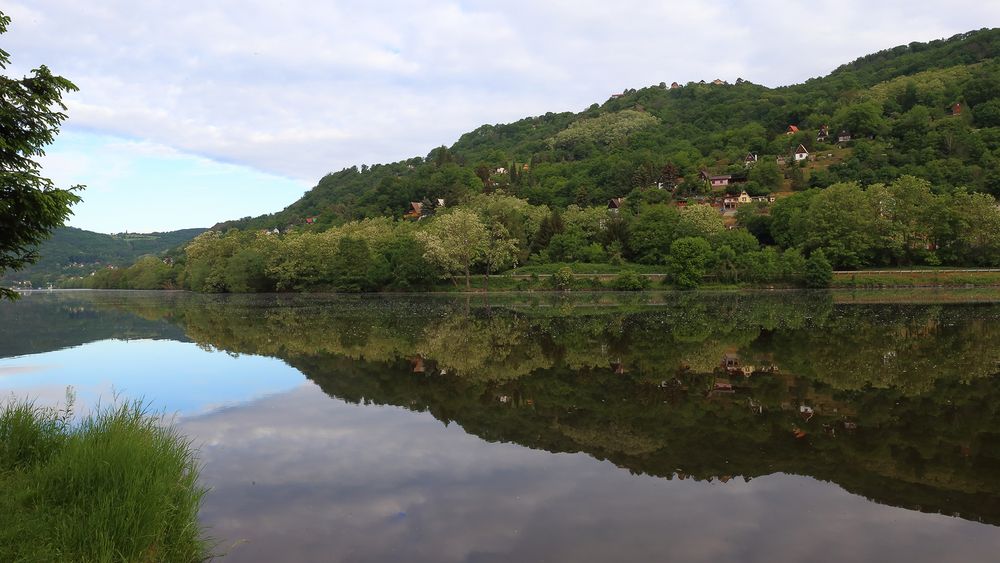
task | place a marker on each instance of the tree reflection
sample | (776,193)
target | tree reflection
(895,402)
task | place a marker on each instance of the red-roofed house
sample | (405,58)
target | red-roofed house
(791,130)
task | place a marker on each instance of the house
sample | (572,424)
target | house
(719,181)
(311,220)
(674,85)
(721,386)
(801,153)
(750,159)
(743,198)
(525,167)
(730,362)
(616,96)
(500,170)
(824,133)
(718,82)
(844,136)
(615,203)
(955,109)
(791,130)
(703,175)
(439,202)
(417,362)
(764,199)
(416,210)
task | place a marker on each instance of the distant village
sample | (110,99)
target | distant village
(723,188)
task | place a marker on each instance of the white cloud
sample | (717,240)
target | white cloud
(303,87)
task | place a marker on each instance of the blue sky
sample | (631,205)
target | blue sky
(191,113)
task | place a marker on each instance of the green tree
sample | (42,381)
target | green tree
(455,243)
(700,221)
(818,271)
(767,175)
(408,268)
(353,266)
(652,232)
(499,250)
(689,258)
(30,204)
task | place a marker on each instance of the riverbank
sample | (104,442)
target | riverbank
(584,277)
(114,486)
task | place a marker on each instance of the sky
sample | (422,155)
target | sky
(190,113)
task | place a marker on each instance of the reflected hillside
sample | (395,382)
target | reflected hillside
(896,402)
(43,322)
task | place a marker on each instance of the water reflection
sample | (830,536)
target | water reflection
(680,422)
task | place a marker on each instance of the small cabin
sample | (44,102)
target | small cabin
(792,129)
(615,203)
(824,133)
(955,109)
(750,159)
(674,85)
(416,210)
(719,181)
(844,136)
(801,153)
(730,362)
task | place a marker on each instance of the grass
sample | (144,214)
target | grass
(114,486)
(922,278)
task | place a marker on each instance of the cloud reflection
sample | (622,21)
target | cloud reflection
(302,477)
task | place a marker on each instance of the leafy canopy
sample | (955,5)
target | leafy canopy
(30,204)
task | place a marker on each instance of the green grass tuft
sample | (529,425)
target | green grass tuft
(116,486)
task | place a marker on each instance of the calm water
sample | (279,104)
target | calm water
(768,427)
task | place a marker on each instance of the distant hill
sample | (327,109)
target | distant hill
(930,110)
(75,252)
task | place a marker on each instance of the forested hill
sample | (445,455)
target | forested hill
(898,106)
(76,252)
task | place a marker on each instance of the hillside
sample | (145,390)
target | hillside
(76,252)
(930,110)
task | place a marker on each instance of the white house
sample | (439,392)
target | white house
(801,153)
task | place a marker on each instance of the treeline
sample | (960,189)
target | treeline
(926,110)
(74,252)
(797,241)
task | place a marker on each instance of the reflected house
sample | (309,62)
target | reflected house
(806,412)
(418,364)
(730,362)
(618,367)
(722,387)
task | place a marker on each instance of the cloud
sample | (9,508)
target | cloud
(304,87)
